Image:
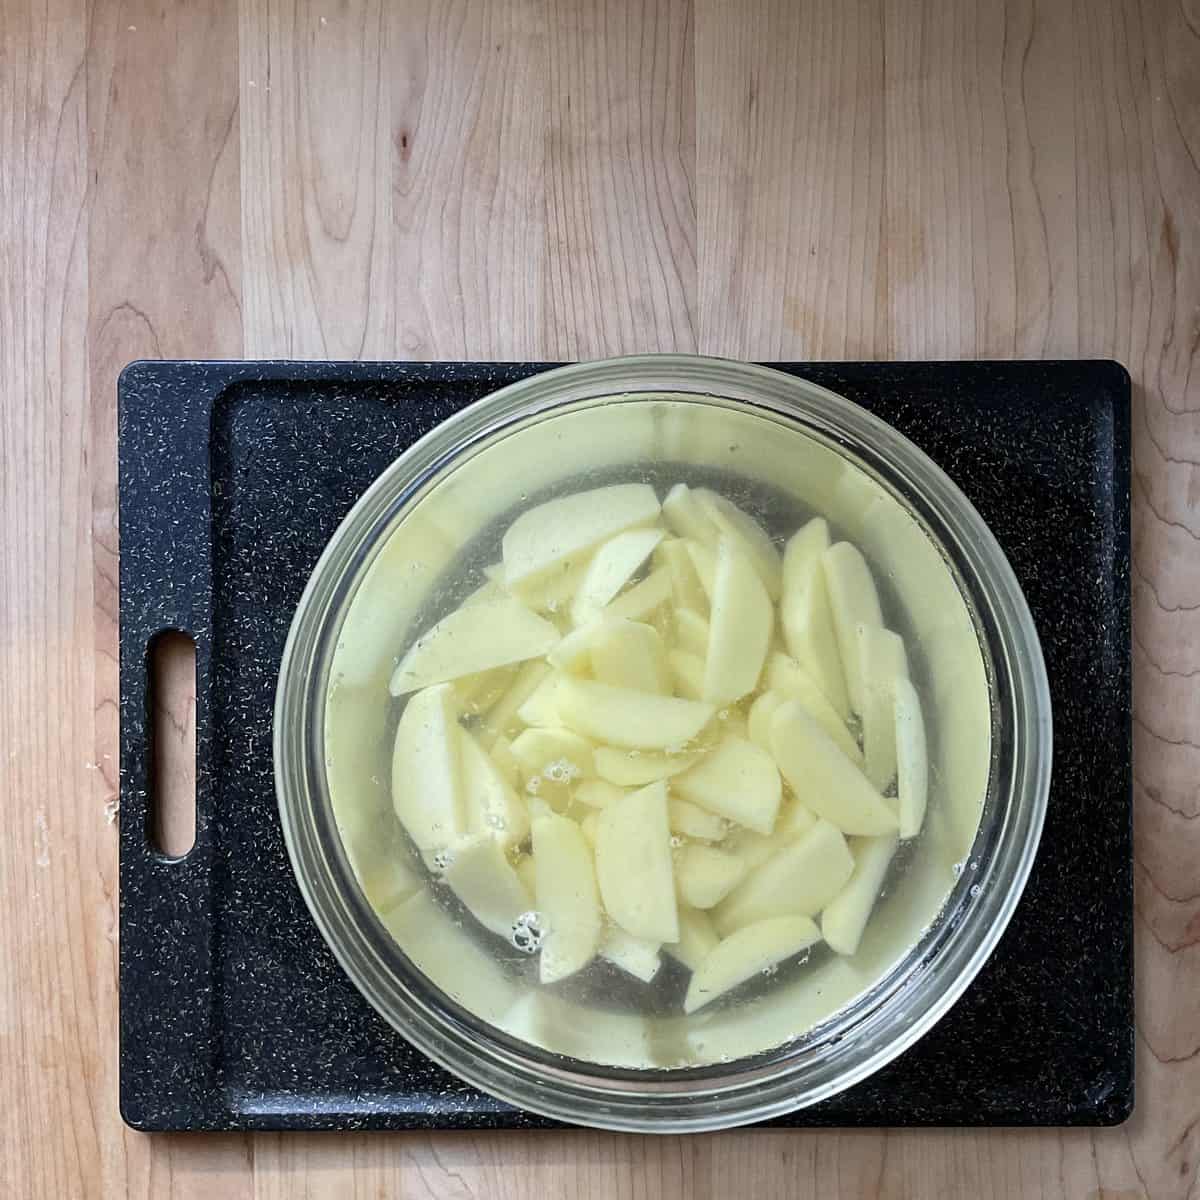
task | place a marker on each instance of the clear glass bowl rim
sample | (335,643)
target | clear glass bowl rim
(859,1040)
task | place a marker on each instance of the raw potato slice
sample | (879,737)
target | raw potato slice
(554,590)
(687,674)
(881,654)
(686,588)
(588,825)
(477,693)
(567,898)
(501,718)
(492,633)
(635,956)
(427,771)
(643,598)
(502,756)
(761,713)
(527,873)
(569,525)
(704,563)
(805,615)
(480,876)
(691,632)
(633,864)
(705,876)
(690,820)
(623,717)
(737,780)
(798,881)
(686,517)
(745,954)
(752,538)
(574,653)
(823,778)
(541,709)
(912,762)
(795,820)
(388,881)
(558,754)
(740,629)
(611,568)
(845,917)
(697,938)
(854,602)
(630,654)
(635,769)
(491,805)
(786,677)
(598,793)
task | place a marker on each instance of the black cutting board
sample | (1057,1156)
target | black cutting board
(234,1014)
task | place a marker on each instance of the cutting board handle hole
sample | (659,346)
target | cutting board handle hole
(172,743)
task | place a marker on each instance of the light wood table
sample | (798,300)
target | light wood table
(557,179)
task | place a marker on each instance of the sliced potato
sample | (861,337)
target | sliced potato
(690,820)
(427,784)
(740,629)
(477,693)
(490,803)
(589,826)
(691,632)
(912,761)
(687,674)
(632,655)
(597,793)
(685,516)
(737,780)
(574,653)
(553,590)
(845,916)
(633,864)
(613,565)
(697,938)
(686,588)
(491,633)
(501,719)
(752,538)
(556,754)
(704,563)
(761,713)
(795,819)
(481,877)
(883,660)
(623,717)
(636,769)
(799,880)
(567,897)
(786,677)
(854,602)
(569,525)
(747,953)
(705,876)
(388,881)
(643,599)
(541,709)
(635,956)
(805,615)
(527,874)
(502,756)
(823,778)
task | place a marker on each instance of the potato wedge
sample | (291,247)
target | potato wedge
(845,916)
(912,761)
(569,525)
(495,632)
(613,565)
(632,655)
(823,778)
(697,938)
(636,769)
(556,754)
(633,864)
(797,881)
(567,897)
(490,803)
(761,713)
(686,588)
(753,540)
(690,820)
(853,601)
(501,719)
(686,518)
(746,953)
(427,786)
(687,674)
(635,956)
(786,677)
(623,717)
(492,892)
(881,654)
(740,629)
(737,780)
(704,876)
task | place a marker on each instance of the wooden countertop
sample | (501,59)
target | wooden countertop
(398,178)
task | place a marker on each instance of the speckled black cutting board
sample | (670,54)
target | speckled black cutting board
(234,1014)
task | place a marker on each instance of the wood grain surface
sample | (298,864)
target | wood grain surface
(563,178)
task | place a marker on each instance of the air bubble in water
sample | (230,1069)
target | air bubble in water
(956,870)
(974,889)
(676,841)
(534,785)
(442,860)
(562,770)
(769,971)
(527,933)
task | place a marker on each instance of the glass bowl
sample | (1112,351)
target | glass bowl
(976,651)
